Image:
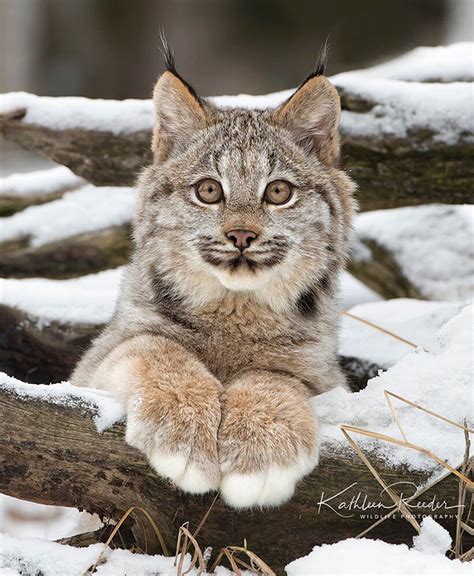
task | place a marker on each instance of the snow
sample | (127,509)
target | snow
(85,210)
(39,557)
(40,182)
(444,110)
(415,320)
(118,116)
(377,558)
(87,300)
(433,246)
(429,64)
(433,538)
(31,520)
(108,410)
(353,292)
(440,113)
(438,380)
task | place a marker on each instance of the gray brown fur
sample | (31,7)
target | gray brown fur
(214,355)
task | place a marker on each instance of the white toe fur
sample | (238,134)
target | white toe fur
(185,475)
(171,466)
(271,487)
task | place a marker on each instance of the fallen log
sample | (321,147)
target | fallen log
(53,454)
(18,191)
(66,258)
(37,351)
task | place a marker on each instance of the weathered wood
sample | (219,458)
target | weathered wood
(38,351)
(11,203)
(381,273)
(390,172)
(66,258)
(53,454)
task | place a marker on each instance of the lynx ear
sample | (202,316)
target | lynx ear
(311,114)
(178,113)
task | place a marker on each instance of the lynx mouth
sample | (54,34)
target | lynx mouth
(243,262)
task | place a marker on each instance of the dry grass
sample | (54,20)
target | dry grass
(116,529)
(464,474)
(380,329)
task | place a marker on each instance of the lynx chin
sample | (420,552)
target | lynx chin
(227,319)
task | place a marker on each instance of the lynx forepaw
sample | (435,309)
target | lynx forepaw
(267,440)
(271,486)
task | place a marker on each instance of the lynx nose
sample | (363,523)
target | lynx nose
(241,238)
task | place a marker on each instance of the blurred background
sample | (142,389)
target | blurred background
(108,48)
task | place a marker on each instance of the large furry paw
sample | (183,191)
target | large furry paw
(267,441)
(190,468)
(271,486)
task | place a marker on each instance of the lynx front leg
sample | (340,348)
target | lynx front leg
(267,439)
(173,408)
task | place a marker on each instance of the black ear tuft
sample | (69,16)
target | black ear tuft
(321,62)
(168,53)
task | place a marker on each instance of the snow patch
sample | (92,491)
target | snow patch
(35,557)
(438,380)
(433,538)
(40,182)
(108,410)
(116,116)
(415,320)
(433,245)
(86,210)
(373,558)
(85,300)
(429,64)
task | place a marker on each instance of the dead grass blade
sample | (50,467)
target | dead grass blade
(460,525)
(423,409)
(380,329)
(256,565)
(117,528)
(182,550)
(393,495)
(405,444)
(394,510)
(196,532)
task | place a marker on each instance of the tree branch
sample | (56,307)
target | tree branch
(53,454)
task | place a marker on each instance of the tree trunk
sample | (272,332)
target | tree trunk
(53,454)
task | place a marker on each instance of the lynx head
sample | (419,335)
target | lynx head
(244,200)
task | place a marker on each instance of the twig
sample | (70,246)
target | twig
(380,329)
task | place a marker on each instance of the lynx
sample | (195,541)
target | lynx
(226,324)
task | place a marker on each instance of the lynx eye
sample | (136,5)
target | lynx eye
(209,191)
(277,192)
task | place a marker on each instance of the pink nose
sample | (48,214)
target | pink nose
(241,238)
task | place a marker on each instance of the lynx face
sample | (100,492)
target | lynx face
(245,200)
